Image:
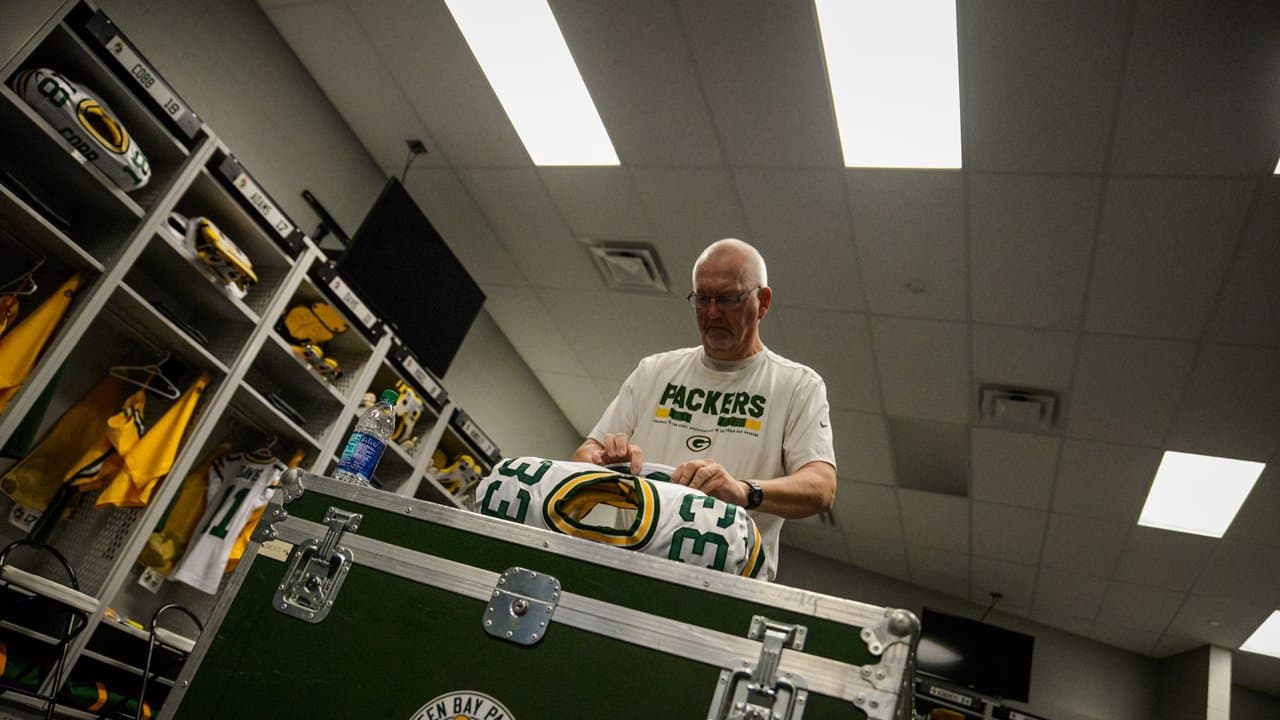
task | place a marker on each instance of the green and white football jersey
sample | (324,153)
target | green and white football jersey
(671,521)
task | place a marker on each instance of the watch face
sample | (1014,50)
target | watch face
(755,495)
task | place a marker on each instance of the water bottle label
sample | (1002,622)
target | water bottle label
(361,455)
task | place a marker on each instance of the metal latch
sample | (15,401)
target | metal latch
(316,570)
(521,605)
(759,691)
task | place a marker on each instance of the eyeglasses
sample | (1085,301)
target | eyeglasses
(724,302)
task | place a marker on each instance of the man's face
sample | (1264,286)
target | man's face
(729,334)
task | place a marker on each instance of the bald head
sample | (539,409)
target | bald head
(742,255)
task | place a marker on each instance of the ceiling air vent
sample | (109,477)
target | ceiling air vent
(629,266)
(1017,408)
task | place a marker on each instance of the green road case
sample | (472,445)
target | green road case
(355,603)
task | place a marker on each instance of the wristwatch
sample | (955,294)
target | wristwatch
(755,494)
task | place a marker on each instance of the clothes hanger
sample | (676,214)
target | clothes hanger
(265,452)
(24,284)
(153,373)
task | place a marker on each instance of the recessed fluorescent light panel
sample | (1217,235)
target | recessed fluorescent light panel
(895,80)
(523,54)
(1198,494)
(1266,639)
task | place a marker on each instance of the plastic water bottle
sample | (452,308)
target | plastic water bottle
(364,447)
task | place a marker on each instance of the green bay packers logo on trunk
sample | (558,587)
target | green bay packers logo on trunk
(698,443)
(463,705)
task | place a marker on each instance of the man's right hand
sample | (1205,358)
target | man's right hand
(615,449)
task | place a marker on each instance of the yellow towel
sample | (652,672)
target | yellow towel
(20,347)
(146,460)
(77,442)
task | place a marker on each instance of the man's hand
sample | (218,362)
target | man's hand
(615,449)
(713,479)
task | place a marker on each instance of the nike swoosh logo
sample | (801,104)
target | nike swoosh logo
(821,424)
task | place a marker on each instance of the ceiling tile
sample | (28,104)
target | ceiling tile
(937,569)
(869,510)
(455,215)
(1003,532)
(924,368)
(577,398)
(1256,521)
(1075,626)
(1014,582)
(1201,91)
(1231,407)
(328,40)
(520,314)
(531,228)
(935,521)
(1013,468)
(1040,83)
(598,203)
(1137,607)
(1243,572)
(1083,545)
(1172,643)
(862,447)
(1126,389)
(1248,308)
(880,556)
(838,346)
(1134,640)
(909,231)
(1163,251)
(1104,481)
(800,215)
(1023,357)
(1217,620)
(812,536)
(763,77)
(1029,248)
(433,66)
(930,455)
(638,68)
(689,210)
(1163,558)
(1069,595)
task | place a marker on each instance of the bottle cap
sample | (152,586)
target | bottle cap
(389,397)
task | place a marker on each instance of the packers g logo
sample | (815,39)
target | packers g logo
(463,705)
(698,443)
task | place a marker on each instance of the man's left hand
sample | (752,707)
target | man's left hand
(713,479)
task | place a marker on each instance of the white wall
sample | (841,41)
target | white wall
(490,380)
(1072,678)
(227,61)
(1250,705)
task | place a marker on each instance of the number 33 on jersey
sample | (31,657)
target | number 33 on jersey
(671,521)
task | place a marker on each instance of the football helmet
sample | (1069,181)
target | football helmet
(408,409)
(225,263)
(86,124)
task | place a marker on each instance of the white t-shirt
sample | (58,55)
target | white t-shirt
(761,418)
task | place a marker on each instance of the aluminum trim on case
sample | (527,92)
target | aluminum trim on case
(825,607)
(684,640)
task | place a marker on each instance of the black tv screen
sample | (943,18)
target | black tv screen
(403,269)
(981,657)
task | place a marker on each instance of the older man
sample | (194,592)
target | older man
(739,422)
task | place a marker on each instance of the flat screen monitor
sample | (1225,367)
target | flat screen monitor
(981,657)
(403,269)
